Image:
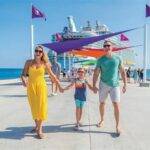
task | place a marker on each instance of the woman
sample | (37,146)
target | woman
(33,78)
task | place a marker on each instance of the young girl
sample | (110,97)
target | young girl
(80,84)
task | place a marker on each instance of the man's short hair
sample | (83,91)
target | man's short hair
(108,41)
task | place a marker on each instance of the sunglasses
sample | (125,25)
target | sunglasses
(80,71)
(38,51)
(106,46)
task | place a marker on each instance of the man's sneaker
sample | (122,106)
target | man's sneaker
(55,94)
(77,127)
(52,94)
(80,124)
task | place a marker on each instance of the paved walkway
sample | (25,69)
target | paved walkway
(16,122)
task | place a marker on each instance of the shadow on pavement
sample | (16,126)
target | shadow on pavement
(11,84)
(19,133)
(9,96)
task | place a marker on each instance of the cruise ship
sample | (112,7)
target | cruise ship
(70,32)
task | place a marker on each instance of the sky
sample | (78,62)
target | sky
(15,21)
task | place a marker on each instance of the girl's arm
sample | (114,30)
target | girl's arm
(69,86)
(24,75)
(52,76)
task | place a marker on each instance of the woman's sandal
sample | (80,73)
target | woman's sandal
(34,130)
(40,135)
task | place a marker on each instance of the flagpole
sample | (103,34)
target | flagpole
(32,38)
(69,62)
(32,41)
(64,60)
(145,53)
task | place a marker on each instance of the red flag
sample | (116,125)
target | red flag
(123,38)
(36,13)
(58,37)
(147,11)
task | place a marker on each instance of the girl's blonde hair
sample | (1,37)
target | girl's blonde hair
(44,58)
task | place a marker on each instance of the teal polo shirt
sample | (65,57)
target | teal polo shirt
(109,67)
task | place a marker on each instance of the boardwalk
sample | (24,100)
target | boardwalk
(16,122)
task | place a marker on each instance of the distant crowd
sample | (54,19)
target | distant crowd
(135,74)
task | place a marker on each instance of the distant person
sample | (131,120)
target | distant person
(135,75)
(80,84)
(108,67)
(142,75)
(64,73)
(33,78)
(128,73)
(56,69)
(138,71)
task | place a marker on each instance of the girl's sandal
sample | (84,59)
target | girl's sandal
(118,131)
(100,124)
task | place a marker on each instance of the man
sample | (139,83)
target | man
(56,69)
(109,67)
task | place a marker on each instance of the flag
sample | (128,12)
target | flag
(123,38)
(36,13)
(147,11)
(58,37)
(89,52)
(64,46)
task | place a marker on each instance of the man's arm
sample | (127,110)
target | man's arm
(124,78)
(95,78)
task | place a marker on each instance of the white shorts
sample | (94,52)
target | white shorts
(105,89)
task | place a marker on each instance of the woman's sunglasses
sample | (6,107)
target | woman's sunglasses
(106,46)
(38,51)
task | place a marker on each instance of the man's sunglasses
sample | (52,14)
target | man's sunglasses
(38,51)
(106,46)
(80,71)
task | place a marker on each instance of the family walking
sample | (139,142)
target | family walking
(108,68)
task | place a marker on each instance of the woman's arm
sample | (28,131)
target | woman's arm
(52,76)
(25,73)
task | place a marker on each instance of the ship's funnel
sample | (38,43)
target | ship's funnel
(71,24)
(97,23)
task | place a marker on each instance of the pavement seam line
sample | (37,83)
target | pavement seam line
(90,140)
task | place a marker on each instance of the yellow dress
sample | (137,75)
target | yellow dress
(37,93)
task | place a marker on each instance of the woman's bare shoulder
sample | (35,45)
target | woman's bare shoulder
(47,64)
(29,62)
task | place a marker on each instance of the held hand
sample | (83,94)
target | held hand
(124,89)
(66,88)
(61,89)
(95,89)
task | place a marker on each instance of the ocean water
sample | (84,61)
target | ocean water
(148,74)
(9,73)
